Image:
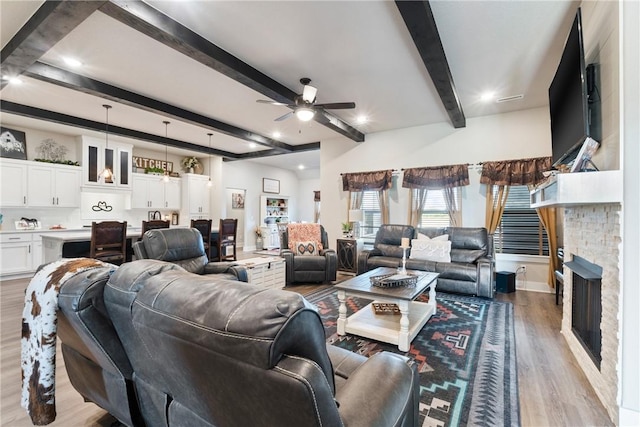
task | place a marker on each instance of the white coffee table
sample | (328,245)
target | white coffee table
(394,329)
(267,271)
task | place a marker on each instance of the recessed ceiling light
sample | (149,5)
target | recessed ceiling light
(362,119)
(252,145)
(277,134)
(14,80)
(300,167)
(487,96)
(72,62)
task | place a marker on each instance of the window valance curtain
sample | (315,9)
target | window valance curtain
(436,177)
(367,181)
(316,196)
(515,172)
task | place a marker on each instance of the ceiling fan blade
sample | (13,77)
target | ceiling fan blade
(337,105)
(265,101)
(284,117)
(309,93)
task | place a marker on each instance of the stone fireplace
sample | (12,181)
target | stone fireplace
(592,234)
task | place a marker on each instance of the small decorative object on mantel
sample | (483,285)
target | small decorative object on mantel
(394,280)
(13,144)
(190,164)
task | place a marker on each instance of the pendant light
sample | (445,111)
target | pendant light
(165,178)
(106,174)
(209,184)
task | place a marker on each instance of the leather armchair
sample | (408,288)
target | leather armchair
(184,247)
(95,361)
(309,268)
(230,354)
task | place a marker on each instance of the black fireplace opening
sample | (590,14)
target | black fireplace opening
(586,306)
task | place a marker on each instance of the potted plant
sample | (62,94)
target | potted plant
(190,163)
(346,229)
(154,171)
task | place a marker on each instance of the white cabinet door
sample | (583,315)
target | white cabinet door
(199,195)
(40,186)
(156,192)
(13,184)
(117,157)
(139,192)
(15,253)
(66,187)
(172,194)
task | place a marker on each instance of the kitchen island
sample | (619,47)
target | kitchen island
(73,244)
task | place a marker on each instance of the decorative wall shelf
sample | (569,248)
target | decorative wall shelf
(580,188)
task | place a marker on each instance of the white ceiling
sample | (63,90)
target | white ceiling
(358,51)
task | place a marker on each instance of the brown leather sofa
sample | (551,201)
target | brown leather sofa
(206,351)
(469,272)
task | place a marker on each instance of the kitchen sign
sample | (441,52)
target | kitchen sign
(143,163)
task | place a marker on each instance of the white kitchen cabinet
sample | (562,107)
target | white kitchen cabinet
(13,183)
(196,196)
(151,191)
(53,185)
(16,253)
(96,156)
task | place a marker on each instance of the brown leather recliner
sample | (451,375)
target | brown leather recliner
(321,267)
(212,352)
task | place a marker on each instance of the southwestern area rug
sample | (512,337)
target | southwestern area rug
(465,355)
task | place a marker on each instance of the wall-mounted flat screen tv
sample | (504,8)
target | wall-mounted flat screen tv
(568,99)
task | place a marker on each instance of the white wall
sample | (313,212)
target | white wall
(517,135)
(248,175)
(306,187)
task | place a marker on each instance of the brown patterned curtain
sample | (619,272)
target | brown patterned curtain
(515,172)
(437,177)
(367,181)
(445,178)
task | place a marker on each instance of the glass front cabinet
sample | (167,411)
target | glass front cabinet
(97,157)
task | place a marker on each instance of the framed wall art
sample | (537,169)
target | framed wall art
(270,186)
(13,144)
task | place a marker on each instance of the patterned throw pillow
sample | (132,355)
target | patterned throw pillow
(431,250)
(305,248)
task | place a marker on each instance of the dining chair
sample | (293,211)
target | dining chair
(226,242)
(204,227)
(109,241)
(152,225)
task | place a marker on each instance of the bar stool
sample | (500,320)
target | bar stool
(152,225)
(204,227)
(109,241)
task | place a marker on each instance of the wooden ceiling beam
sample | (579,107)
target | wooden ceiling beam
(153,23)
(421,24)
(46,27)
(65,119)
(59,77)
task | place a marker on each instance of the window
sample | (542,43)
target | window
(520,230)
(371,215)
(434,210)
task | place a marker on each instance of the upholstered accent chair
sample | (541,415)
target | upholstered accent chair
(184,247)
(109,241)
(305,248)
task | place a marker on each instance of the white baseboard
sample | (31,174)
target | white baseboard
(527,285)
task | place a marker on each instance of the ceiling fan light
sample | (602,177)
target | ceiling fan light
(304,114)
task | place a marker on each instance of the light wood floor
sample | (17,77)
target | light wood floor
(553,390)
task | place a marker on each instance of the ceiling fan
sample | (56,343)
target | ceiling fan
(304,106)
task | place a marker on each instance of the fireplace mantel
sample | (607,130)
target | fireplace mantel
(579,188)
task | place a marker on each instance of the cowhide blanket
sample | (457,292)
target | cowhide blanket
(39,327)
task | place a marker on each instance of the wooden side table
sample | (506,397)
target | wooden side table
(347,251)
